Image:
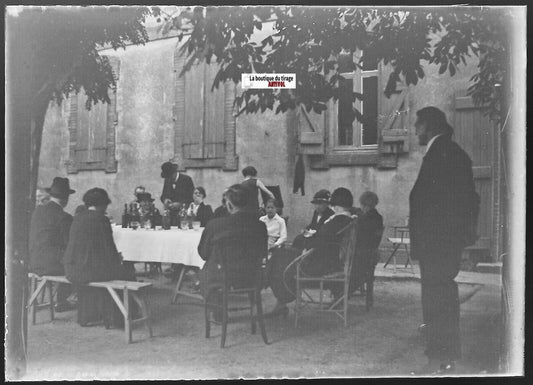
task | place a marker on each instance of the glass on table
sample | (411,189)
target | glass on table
(196,225)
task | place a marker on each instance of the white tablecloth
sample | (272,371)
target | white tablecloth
(167,246)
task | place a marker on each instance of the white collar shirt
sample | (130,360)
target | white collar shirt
(276,229)
(431,142)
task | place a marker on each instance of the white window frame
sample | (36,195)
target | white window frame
(357,126)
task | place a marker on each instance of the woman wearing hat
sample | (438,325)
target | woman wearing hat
(320,215)
(92,256)
(324,260)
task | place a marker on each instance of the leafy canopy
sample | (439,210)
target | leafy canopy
(312,41)
(65,43)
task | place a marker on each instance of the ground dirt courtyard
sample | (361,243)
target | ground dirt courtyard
(381,342)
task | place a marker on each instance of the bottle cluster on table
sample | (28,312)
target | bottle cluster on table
(133,217)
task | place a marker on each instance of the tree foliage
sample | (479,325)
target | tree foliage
(65,44)
(310,42)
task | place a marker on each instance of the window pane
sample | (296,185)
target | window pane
(370,111)
(346,114)
(346,63)
(370,63)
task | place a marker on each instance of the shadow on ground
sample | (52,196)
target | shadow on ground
(382,342)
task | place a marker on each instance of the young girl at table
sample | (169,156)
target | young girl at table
(276,227)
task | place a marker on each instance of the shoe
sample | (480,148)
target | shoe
(217,315)
(196,288)
(279,310)
(435,368)
(446,369)
(63,307)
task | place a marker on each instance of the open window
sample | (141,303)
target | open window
(339,136)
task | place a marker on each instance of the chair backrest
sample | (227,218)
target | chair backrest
(239,260)
(347,246)
(276,190)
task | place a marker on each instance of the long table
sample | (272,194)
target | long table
(164,246)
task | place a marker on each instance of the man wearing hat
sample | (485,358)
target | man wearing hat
(320,215)
(49,233)
(177,189)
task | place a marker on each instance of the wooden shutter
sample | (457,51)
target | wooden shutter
(194,112)
(477,135)
(393,122)
(311,132)
(92,129)
(214,112)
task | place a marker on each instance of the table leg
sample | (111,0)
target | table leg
(177,289)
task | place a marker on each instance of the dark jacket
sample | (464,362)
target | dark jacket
(326,242)
(245,242)
(91,254)
(49,233)
(369,230)
(441,201)
(316,223)
(179,191)
(253,191)
(220,211)
(204,214)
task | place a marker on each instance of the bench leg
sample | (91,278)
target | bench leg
(177,289)
(127,316)
(139,298)
(51,294)
(124,309)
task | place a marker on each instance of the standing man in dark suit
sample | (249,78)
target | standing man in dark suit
(177,192)
(442,206)
(49,233)
(178,187)
(248,237)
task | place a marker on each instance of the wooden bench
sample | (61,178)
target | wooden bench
(129,288)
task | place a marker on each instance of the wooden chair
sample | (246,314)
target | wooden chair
(346,254)
(400,238)
(229,289)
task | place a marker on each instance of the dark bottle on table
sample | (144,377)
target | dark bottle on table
(125,217)
(155,217)
(135,217)
(166,220)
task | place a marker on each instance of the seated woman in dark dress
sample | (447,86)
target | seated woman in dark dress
(324,260)
(320,215)
(91,256)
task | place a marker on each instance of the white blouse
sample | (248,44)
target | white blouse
(277,230)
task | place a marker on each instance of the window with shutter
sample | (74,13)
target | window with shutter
(204,124)
(92,132)
(340,137)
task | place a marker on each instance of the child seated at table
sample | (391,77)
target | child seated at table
(276,227)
